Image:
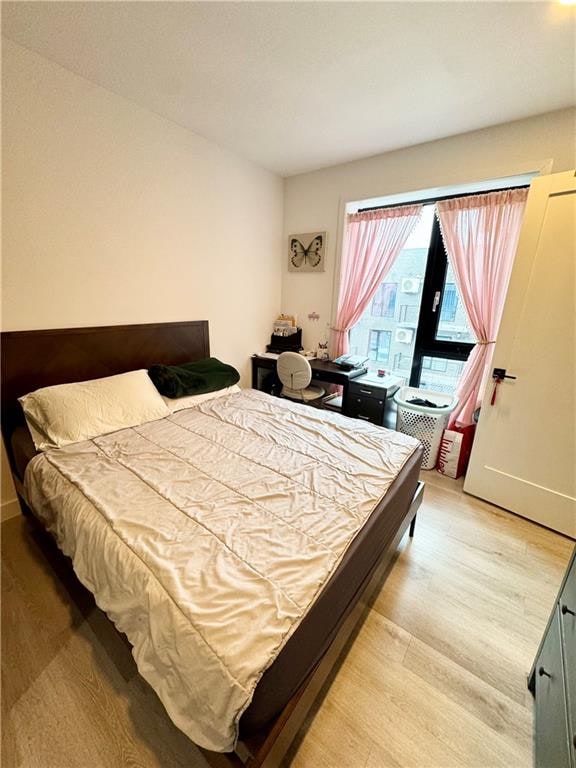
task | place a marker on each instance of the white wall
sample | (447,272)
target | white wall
(112,214)
(315,201)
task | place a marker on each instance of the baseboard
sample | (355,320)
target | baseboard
(9,509)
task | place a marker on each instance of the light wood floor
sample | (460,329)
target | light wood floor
(436,677)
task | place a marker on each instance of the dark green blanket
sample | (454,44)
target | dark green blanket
(196,378)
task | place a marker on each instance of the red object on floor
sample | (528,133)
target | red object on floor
(455,449)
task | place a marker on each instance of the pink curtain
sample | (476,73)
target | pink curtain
(480,235)
(372,241)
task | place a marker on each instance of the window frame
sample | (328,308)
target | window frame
(426,344)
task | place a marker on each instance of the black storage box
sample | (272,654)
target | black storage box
(279,344)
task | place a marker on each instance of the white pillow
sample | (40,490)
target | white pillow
(70,413)
(179,403)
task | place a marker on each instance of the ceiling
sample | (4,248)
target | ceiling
(295,86)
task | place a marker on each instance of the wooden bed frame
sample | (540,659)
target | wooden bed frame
(34,359)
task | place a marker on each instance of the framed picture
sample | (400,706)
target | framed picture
(306,252)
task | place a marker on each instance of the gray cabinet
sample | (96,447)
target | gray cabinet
(553,683)
(567,616)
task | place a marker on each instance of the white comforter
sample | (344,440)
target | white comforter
(206,536)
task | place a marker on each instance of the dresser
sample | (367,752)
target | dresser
(553,682)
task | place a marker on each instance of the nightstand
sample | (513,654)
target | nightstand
(369,396)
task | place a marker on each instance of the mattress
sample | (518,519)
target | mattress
(211,536)
(317,630)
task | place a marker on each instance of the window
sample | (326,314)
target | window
(429,339)
(443,334)
(379,346)
(401,295)
(384,302)
(415,334)
(449,303)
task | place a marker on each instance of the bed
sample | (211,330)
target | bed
(281,447)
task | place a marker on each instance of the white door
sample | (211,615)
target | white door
(524,453)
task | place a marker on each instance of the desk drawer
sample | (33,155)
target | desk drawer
(356,388)
(366,408)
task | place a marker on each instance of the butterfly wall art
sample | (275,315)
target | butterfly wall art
(306,252)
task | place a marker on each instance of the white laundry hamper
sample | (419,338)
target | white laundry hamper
(423,422)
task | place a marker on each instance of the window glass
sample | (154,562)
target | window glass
(379,346)
(453,322)
(441,374)
(449,304)
(384,303)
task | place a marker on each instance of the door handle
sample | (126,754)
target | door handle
(499,374)
(436,301)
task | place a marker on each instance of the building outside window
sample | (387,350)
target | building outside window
(408,314)
(379,346)
(384,302)
(449,303)
(401,362)
(440,374)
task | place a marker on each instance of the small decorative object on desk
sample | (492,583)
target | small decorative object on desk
(306,252)
(322,353)
(390,382)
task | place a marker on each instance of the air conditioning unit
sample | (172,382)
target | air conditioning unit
(410,285)
(404,335)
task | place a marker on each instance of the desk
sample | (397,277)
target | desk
(322,370)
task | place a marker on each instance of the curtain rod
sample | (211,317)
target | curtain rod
(430,200)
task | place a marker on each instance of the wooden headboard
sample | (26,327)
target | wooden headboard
(33,359)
